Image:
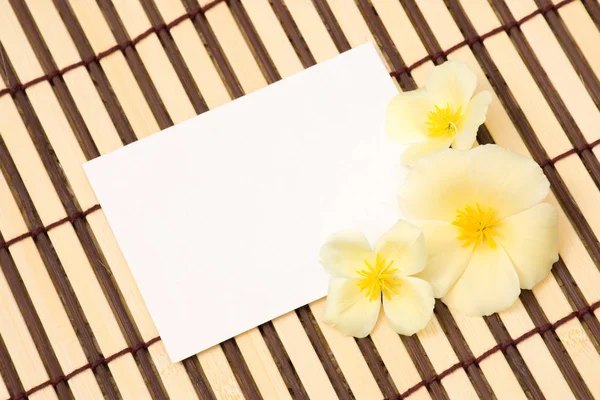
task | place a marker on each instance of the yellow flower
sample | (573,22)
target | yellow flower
(362,277)
(487,232)
(442,113)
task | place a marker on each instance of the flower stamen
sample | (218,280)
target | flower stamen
(379,278)
(444,121)
(476,225)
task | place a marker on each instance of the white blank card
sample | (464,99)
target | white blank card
(221,217)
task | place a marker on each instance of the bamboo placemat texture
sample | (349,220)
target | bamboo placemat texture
(80,78)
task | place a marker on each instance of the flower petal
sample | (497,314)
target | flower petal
(349,310)
(436,187)
(489,284)
(345,252)
(530,238)
(405,246)
(425,148)
(446,258)
(410,310)
(406,115)
(506,181)
(451,83)
(474,116)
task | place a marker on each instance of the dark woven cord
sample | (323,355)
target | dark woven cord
(93,365)
(471,41)
(71,218)
(40,229)
(499,347)
(426,382)
(193,13)
(122,47)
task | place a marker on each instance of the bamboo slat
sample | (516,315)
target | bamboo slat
(97,75)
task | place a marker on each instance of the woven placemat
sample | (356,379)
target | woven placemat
(80,78)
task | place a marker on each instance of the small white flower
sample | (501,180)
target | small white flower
(361,275)
(487,232)
(443,113)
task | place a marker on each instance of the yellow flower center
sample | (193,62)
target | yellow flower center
(444,121)
(378,279)
(475,225)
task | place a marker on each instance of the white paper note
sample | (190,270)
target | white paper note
(221,217)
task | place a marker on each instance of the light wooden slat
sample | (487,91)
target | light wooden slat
(351,21)
(234,46)
(46,105)
(303,357)
(219,374)
(349,358)
(355,28)
(572,335)
(536,354)
(155,60)
(13,329)
(261,365)
(528,95)
(19,343)
(68,249)
(442,356)
(577,258)
(559,69)
(125,370)
(122,273)
(273,37)
(396,359)
(515,319)
(143,123)
(97,310)
(39,284)
(176,380)
(312,29)
(194,54)
(54,121)
(501,378)
(78,81)
(29,163)
(66,243)
(584,32)
(115,66)
(401,31)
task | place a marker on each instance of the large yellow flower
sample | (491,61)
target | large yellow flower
(362,275)
(442,113)
(486,231)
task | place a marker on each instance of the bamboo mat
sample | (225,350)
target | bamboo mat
(81,78)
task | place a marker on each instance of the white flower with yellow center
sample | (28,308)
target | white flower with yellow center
(444,113)
(487,232)
(363,276)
